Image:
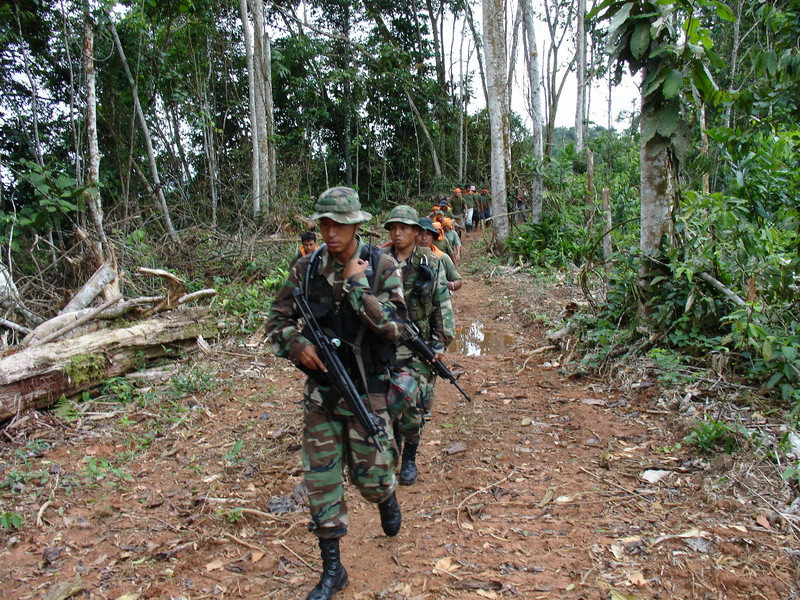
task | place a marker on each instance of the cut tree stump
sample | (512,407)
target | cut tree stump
(37,377)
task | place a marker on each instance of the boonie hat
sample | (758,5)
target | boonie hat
(427,225)
(402,214)
(340,204)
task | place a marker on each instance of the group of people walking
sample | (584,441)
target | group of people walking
(371,300)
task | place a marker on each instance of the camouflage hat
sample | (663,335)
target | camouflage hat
(340,204)
(402,214)
(427,225)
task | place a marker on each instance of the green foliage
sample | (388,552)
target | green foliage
(10,521)
(553,243)
(195,380)
(710,435)
(233,454)
(100,469)
(247,306)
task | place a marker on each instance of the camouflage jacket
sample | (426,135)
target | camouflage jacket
(432,313)
(382,311)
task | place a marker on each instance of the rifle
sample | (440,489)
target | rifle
(337,374)
(410,338)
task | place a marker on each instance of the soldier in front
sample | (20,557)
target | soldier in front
(364,308)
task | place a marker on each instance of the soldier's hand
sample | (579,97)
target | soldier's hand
(311,359)
(437,356)
(355,267)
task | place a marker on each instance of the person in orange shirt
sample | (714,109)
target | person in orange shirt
(308,243)
(428,233)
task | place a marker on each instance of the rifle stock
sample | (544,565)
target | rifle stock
(337,374)
(425,352)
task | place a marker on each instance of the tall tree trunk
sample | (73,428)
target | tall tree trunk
(580,72)
(438,50)
(251,78)
(210,151)
(535,109)
(151,156)
(104,253)
(495,51)
(262,71)
(657,190)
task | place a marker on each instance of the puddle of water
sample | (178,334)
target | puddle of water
(474,340)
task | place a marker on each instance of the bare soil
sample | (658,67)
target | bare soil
(546,486)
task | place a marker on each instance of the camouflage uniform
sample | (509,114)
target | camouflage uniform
(332,436)
(432,313)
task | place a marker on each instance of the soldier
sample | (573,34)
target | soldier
(367,315)
(452,236)
(429,308)
(457,202)
(469,210)
(441,242)
(425,237)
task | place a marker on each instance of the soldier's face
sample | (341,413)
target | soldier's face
(308,245)
(425,238)
(403,236)
(340,238)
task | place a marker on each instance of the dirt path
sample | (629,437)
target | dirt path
(538,489)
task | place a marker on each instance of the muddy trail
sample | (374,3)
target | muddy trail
(546,486)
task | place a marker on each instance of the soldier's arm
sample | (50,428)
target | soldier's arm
(282,322)
(442,320)
(383,311)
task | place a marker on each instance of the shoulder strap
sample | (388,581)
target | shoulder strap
(312,264)
(372,251)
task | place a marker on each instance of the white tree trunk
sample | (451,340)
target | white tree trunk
(580,72)
(104,252)
(151,155)
(534,109)
(262,72)
(248,44)
(495,52)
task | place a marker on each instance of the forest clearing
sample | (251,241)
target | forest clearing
(546,486)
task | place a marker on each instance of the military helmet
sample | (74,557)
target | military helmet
(402,214)
(427,225)
(340,204)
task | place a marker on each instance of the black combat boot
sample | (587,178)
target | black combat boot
(408,466)
(334,575)
(391,519)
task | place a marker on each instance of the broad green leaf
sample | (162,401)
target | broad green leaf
(789,352)
(723,12)
(766,350)
(672,84)
(667,120)
(640,40)
(773,380)
(619,18)
(771,63)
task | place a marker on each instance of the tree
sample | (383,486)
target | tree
(535,108)
(495,49)
(646,36)
(582,83)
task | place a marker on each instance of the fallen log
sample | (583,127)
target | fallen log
(37,377)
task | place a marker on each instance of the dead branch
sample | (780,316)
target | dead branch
(91,289)
(13,326)
(77,323)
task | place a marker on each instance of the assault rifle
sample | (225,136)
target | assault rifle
(337,374)
(410,338)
